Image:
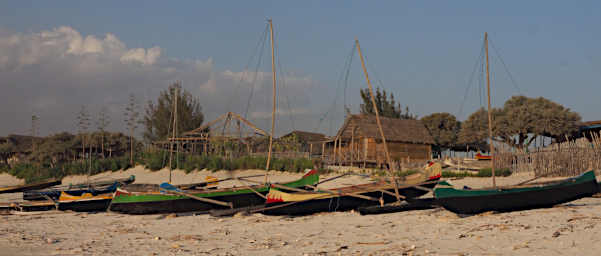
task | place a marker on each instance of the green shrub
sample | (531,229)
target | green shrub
(481,173)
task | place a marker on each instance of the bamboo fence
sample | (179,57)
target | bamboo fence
(569,158)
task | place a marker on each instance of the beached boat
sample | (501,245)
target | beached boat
(513,198)
(149,202)
(86,202)
(30,186)
(95,188)
(481,157)
(346,198)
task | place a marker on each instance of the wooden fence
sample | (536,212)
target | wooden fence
(562,159)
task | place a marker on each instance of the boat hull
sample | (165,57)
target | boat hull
(416,204)
(341,203)
(94,189)
(187,204)
(515,199)
(94,205)
(155,202)
(26,187)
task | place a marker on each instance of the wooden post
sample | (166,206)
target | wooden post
(352,145)
(373,101)
(174,131)
(365,143)
(274,103)
(335,150)
(323,150)
(492,147)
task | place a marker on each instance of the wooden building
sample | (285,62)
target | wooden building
(358,142)
(306,142)
(229,135)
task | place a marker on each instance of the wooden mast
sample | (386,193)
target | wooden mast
(492,148)
(274,103)
(174,131)
(373,102)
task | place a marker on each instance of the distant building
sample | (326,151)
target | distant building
(305,141)
(586,129)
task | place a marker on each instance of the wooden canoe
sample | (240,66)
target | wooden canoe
(345,198)
(84,203)
(483,157)
(30,186)
(151,202)
(95,188)
(514,198)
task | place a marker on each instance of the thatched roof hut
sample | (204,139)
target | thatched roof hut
(359,141)
(395,130)
(306,137)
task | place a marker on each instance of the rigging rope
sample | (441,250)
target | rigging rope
(478,62)
(254,79)
(515,85)
(285,89)
(323,117)
(260,42)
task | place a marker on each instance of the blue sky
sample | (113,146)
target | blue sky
(423,52)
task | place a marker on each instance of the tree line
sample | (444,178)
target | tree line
(517,124)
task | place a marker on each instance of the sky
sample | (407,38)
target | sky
(56,57)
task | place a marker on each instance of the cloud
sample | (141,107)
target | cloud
(141,55)
(51,73)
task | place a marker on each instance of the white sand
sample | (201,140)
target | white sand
(9,180)
(567,229)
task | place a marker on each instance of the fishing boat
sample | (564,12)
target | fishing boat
(513,198)
(30,186)
(481,157)
(86,202)
(149,202)
(347,198)
(95,188)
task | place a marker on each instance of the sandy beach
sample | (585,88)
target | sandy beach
(566,229)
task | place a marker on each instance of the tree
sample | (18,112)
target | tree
(83,123)
(158,117)
(6,151)
(444,128)
(102,122)
(520,121)
(387,107)
(55,149)
(131,120)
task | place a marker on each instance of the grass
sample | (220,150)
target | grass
(487,172)
(154,161)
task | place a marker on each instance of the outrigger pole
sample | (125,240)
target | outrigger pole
(274,103)
(373,102)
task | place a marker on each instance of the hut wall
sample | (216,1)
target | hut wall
(407,151)
(372,150)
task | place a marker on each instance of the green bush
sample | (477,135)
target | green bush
(481,173)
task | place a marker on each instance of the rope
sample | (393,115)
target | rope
(252,56)
(478,61)
(254,79)
(283,82)
(513,82)
(346,67)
